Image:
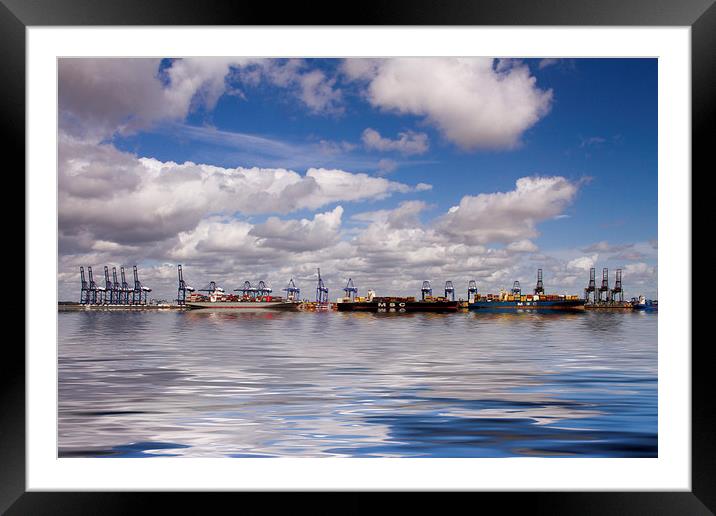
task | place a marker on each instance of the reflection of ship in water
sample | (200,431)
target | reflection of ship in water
(605,322)
(536,316)
(246,314)
(392,304)
(529,304)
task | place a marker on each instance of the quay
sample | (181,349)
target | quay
(118,295)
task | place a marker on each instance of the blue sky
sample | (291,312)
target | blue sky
(444,134)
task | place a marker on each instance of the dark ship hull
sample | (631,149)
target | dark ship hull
(568,304)
(398,305)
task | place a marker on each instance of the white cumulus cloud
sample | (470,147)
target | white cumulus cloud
(105,96)
(300,235)
(474,102)
(508,216)
(583,263)
(522,246)
(110,195)
(408,142)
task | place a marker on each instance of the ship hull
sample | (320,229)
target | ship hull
(398,306)
(246,305)
(566,305)
(647,308)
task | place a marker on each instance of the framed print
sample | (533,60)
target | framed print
(420,250)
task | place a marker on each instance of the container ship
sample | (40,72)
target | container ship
(373,303)
(515,300)
(217,298)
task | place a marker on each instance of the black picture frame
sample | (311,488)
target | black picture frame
(700,15)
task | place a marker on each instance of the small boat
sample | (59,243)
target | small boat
(645,304)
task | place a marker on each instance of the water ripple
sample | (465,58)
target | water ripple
(203,384)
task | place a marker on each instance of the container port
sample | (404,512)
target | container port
(117,294)
(605,298)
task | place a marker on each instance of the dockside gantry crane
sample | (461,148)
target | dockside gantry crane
(108,288)
(516,289)
(262,289)
(604,288)
(125,287)
(539,288)
(449,290)
(321,290)
(116,287)
(84,289)
(92,287)
(183,288)
(210,288)
(617,291)
(471,291)
(293,293)
(350,290)
(426,290)
(591,290)
(247,290)
(139,289)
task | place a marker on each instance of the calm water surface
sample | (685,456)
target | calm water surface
(218,384)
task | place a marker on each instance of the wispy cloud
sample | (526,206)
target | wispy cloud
(230,148)
(213,136)
(544,63)
(592,141)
